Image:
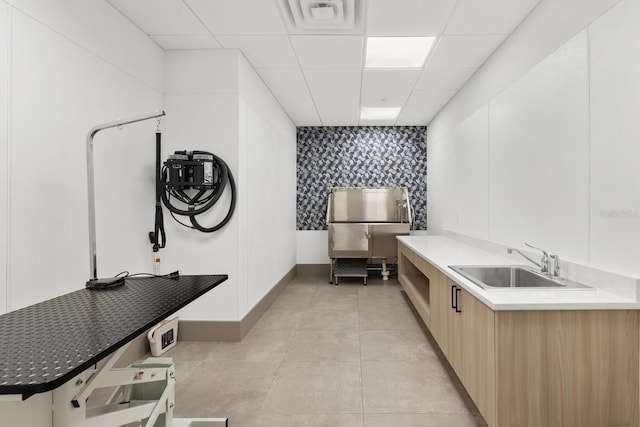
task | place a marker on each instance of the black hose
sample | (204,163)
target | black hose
(227,218)
(158,229)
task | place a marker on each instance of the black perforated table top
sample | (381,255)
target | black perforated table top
(45,345)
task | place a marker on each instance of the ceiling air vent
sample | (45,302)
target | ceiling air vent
(323,16)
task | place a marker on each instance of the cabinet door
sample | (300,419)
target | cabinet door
(447,320)
(478,368)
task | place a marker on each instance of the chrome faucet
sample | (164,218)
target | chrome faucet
(556,265)
(544,262)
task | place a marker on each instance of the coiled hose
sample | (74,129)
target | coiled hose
(204,199)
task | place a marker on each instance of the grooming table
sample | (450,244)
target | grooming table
(49,352)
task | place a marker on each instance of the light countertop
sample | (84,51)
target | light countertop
(442,251)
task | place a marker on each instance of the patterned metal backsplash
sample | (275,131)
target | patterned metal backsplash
(351,156)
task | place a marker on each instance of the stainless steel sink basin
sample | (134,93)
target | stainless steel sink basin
(512,276)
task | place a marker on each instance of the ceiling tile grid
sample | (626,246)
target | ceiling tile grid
(319,76)
(178,42)
(329,51)
(263,51)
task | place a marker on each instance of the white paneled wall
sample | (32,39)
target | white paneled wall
(465,180)
(539,174)
(217,103)
(548,26)
(313,247)
(61,77)
(201,102)
(562,143)
(99,28)
(5,36)
(271,209)
(615,138)
(48,173)
(269,159)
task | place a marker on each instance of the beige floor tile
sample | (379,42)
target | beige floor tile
(292,300)
(301,288)
(323,355)
(319,319)
(259,345)
(299,420)
(402,345)
(276,318)
(334,301)
(386,317)
(310,280)
(389,304)
(315,388)
(343,288)
(409,387)
(336,346)
(190,351)
(419,420)
(392,290)
(224,389)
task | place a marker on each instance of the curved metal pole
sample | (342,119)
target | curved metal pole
(90,182)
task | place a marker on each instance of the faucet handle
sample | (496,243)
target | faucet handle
(544,253)
(544,262)
(555,258)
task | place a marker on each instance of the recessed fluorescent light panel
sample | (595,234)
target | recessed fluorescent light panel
(397,52)
(375,113)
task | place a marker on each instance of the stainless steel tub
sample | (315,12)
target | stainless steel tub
(364,222)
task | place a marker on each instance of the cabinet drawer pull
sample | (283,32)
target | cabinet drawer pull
(453,296)
(457,294)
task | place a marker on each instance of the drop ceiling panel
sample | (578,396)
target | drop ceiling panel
(329,51)
(263,51)
(320,78)
(488,16)
(175,42)
(239,17)
(337,108)
(463,51)
(161,16)
(377,122)
(422,106)
(433,78)
(284,80)
(332,81)
(392,80)
(300,107)
(384,98)
(407,17)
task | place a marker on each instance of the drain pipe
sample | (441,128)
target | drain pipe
(385,272)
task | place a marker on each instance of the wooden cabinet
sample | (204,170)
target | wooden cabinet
(567,368)
(531,367)
(414,274)
(466,337)
(449,336)
(478,371)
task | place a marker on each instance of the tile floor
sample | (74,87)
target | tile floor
(323,355)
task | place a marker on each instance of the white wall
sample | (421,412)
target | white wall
(65,67)
(220,105)
(562,141)
(547,27)
(313,247)
(5,36)
(270,172)
(615,135)
(466,179)
(201,101)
